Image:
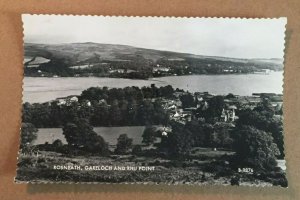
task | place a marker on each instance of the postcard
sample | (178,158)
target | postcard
(156,100)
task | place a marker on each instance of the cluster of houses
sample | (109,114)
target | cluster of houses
(66,100)
(232,103)
(121,71)
(160,69)
(69,100)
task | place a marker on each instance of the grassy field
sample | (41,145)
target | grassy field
(110,134)
(194,171)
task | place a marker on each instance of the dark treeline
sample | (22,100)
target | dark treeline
(138,67)
(212,66)
(128,106)
(127,93)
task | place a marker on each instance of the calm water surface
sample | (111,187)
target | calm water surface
(41,89)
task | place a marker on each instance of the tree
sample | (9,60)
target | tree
(40,115)
(166,91)
(145,113)
(124,144)
(187,100)
(137,149)
(147,92)
(92,93)
(213,111)
(70,112)
(115,113)
(178,143)
(230,96)
(84,111)
(57,143)
(223,134)
(264,120)
(28,135)
(211,137)
(265,107)
(198,133)
(215,107)
(149,135)
(100,115)
(275,126)
(26,112)
(132,111)
(124,112)
(80,135)
(160,115)
(56,115)
(255,148)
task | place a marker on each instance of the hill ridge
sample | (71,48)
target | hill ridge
(110,58)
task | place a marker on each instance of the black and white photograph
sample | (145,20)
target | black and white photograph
(156,100)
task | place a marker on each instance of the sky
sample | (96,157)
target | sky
(226,37)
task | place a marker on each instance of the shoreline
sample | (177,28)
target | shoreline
(149,78)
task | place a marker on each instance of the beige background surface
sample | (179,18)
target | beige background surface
(11,91)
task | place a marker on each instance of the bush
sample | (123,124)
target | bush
(124,144)
(137,150)
(57,143)
(28,135)
(80,136)
(27,161)
(255,148)
(235,181)
(149,135)
(281,181)
(155,163)
(204,178)
(178,143)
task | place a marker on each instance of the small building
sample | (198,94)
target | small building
(72,98)
(121,71)
(178,94)
(161,69)
(176,115)
(67,100)
(229,114)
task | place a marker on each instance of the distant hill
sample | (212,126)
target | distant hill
(106,59)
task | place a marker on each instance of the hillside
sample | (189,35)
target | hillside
(93,59)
